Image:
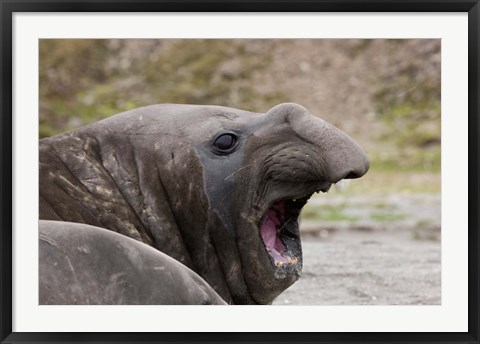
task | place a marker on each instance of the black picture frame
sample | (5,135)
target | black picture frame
(9,7)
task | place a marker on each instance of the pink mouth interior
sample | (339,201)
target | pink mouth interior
(270,233)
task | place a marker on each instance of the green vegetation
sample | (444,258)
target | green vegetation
(411,139)
(327,213)
(407,101)
(86,80)
(423,223)
(387,217)
(382,181)
(426,235)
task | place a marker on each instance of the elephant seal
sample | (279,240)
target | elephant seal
(83,264)
(216,188)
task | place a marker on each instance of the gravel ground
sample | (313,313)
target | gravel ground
(394,263)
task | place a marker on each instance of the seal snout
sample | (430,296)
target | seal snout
(349,168)
(340,156)
(343,157)
(345,160)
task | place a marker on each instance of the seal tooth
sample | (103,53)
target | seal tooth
(292,260)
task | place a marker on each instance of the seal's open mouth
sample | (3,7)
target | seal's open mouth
(280,233)
(279,229)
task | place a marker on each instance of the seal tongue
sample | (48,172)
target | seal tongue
(272,241)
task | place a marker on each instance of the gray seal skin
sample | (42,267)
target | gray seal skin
(216,188)
(83,264)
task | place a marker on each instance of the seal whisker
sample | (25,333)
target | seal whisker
(238,170)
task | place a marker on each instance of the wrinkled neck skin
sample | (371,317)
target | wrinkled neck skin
(141,181)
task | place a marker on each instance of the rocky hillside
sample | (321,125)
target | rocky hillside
(383,93)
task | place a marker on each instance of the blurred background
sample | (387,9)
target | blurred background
(375,240)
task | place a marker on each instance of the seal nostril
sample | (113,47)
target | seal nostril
(352,175)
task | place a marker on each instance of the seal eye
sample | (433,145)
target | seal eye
(225,142)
